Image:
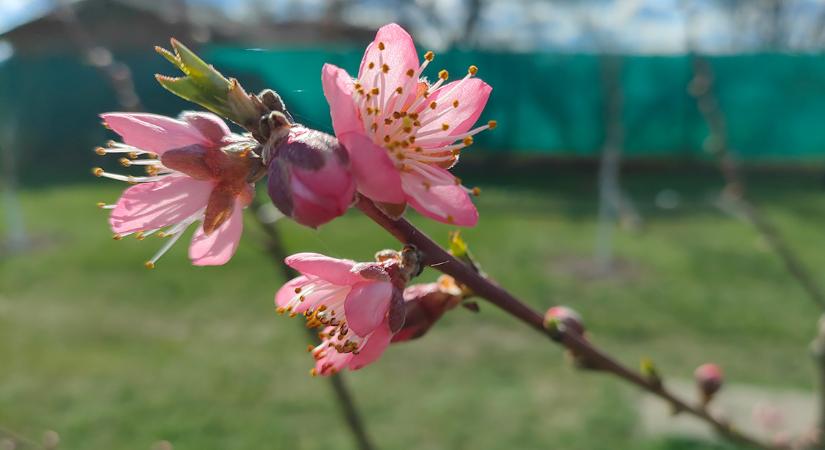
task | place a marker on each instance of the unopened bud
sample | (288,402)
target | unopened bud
(709,380)
(425,304)
(309,177)
(564,319)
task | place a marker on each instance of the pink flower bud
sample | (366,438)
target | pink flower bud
(309,177)
(709,380)
(570,320)
(425,304)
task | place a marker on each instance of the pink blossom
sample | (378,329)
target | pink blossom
(309,177)
(356,303)
(403,133)
(196,172)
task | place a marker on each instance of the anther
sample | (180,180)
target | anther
(396,114)
(374,91)
(132,155)
(399,90)
(476,191)
(385,68)
(455,103)
(443,74)
(445,126)
(381,46)
(297,290)
(386,138)
(468,141)
(370,65)
(101,205)
(117,237)
(472,70)
(140,236)
(125,162)
(97,171)
(412,139)
(433,105)
(149,265)
(492,124)
(100,151)
(429,56)
(410,73)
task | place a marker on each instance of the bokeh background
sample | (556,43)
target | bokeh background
(600,191)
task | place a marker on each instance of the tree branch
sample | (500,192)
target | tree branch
(439,259)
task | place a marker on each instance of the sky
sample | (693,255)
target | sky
(631,26)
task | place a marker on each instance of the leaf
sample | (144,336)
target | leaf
(204,85)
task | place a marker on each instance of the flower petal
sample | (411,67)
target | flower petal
(471,95)
(375,174)
(366,306)
(218,247)
(333,270)
(338,90)
(158,204)
(439,197)
(287,291)
(398,56)
(373,349)
(209,125)
(152,132)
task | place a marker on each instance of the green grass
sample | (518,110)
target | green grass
(113,356)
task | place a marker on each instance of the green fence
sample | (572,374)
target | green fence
(545,103)
(553,104)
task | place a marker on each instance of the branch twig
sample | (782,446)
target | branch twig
(437,258)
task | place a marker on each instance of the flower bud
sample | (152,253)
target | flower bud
(309,177)
(709,380)
(425,304)
(565,319)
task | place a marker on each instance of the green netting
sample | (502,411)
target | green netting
(544,103)
(553,104)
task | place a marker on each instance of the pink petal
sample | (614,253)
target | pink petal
(440,199)
(209,125)
(373,349)
(375,174)
(472,96)
(335,271)
(287,291)
(366,306)
(399,55)
(337,86)
(147,206)
(217,248)
(152,132)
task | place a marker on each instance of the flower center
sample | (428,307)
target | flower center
(412,119)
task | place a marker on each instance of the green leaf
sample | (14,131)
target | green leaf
(204,85)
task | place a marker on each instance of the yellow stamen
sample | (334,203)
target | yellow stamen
(433,105)
(149,265)
(468,141)
(492,124)
(410,73)
(445,126)
(472,70)
(443,74)
(381,46)
(97,171)
(385,68)
(100,151)
(429,56)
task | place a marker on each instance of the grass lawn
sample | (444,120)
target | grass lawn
(113,356)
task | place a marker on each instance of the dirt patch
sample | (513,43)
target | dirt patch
(767,413)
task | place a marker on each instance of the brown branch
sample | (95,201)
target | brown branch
(439,259)
(702,89)
(275,249)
